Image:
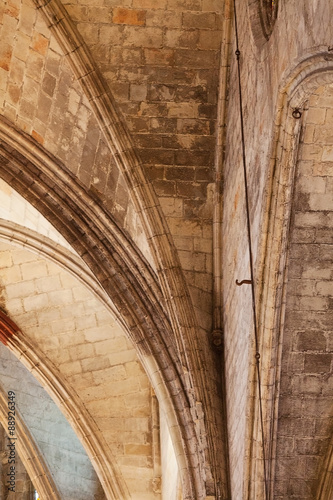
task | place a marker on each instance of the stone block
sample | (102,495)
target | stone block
(159,57)
(311,152)
(193,126)
(177,38)
(39,43)
(149,4)
(199,20)
(11,274)
(327,155)
(321,134)
(182,110)
(316,116)
(94,363)
(33,270)
(48,315)
(211,5)
(143,37)
(35,64)
(72,368)
(111,35)
(312,184)
(310,446)
(209,39)
(324,236)
(157,156)
(5,56)
(307,384)
(317,363)
(195,59)
(194,158)
(193,190)
(171,19)
(133,17)
(138,92)
(184,5)
(61,297)
(37,136)
(110,345)
(325,288)
(321,201)
(180,173)
(172,207)
(134,449)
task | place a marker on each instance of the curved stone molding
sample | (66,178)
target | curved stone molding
(75,413)
(173,285)
(170,392)
(263,14)
(325,488)
(18,235)
(29,453)
(296,88)
(160,347)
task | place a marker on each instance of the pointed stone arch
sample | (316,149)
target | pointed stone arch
(296,87)
(183,339)
(119,269)
(67,400)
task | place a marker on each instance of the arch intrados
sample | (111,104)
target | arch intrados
(180,331)
(67,400)
(11,336)
(295,89)
(149,329)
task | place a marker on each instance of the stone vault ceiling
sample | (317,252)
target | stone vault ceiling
(123,232)
(76,334)
(119,159)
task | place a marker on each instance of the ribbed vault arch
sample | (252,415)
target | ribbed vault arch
(16,234)
(34,360)
(170,275)
(119,269)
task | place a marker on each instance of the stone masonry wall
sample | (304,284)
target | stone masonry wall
(305,410)
(298,33)
(161,61)
(39,95)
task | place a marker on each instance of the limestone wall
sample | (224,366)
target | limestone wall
(265,65)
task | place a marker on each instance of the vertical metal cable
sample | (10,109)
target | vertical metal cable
(257,355)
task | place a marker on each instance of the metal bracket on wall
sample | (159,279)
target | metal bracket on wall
(243,282)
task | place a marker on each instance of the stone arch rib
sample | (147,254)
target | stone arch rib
(121,146)
(173,286)
(68,402)
(325,487)
(119,269)
(295,89)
